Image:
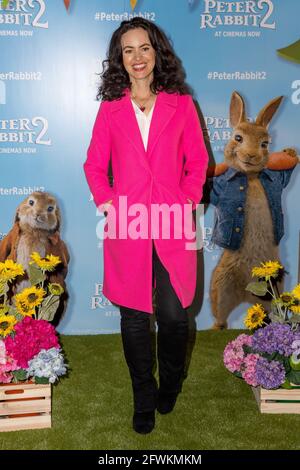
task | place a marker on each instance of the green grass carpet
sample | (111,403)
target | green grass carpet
(92,408)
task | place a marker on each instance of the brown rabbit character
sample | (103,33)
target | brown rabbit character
(37,229)
(248,214)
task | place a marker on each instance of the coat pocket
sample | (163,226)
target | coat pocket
(185,197)
(114,201)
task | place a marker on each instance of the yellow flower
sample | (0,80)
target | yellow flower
(286,299)
(3,309)
(48,263)
(255,316)
(9,270)
(24,309)
(30,297)
(7,323)
(295,308)
(55,289)
(296,292)
(267,270)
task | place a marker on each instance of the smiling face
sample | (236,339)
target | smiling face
(138,54)
(247,149)
(39,211)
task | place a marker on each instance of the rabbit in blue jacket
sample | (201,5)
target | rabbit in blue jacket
(248,214)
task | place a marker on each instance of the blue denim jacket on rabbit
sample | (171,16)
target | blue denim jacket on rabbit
(228,194)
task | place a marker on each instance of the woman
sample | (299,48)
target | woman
(147,123)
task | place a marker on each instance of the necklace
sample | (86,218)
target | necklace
(142,107)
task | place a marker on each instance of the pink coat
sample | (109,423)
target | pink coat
(171,170)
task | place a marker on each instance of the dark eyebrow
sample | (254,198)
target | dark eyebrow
(146,44)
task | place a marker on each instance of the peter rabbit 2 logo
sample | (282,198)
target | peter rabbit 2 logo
(23,131)
(23,13)
(254,14)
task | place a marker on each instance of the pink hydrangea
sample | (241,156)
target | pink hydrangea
(2,352)
(234,354)
(7,365)
(248,369)
(30,337)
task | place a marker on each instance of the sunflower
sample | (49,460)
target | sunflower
(30,297)
(3,309)
(9,270)
(267,270)
(296,292)
(295,308)
(48,263)
(24,309)
(286,299)
(7,323)
(55,289)
(255,316)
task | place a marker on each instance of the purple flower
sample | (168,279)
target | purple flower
(275,337)
(297,335)
(269,374)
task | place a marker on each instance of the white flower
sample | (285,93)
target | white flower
(47,364)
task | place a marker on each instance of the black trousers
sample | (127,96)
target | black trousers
(172,338)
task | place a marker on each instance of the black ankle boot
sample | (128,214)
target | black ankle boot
(143,422)
(166,402)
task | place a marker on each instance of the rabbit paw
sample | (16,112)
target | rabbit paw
(291,152)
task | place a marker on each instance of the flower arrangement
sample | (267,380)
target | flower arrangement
(270,355)
(29,346)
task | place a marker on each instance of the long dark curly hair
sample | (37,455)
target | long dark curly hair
(168,72)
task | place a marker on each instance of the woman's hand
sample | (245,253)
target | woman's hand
(103,207)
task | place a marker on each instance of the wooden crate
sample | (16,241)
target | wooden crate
(278,401)
(25,406)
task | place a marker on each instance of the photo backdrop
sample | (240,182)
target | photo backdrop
(51,51)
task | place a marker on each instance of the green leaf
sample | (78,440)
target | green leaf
(291,52)
(4,4)
(20,374)
(247,349)
(258,288)
(286,385)
(41,380)
(275,356)
(238,374)
(294,376)
(4,288)
(36,276)
(13,311)
(287,365)
(19,317)
(49,307)
(48,300)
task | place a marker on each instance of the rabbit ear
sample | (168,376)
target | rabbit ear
(58,216)
(17,218)
(267,112)
(237,109)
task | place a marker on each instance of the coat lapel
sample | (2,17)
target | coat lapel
(124,117)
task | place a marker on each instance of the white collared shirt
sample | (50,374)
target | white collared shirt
(143,122)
